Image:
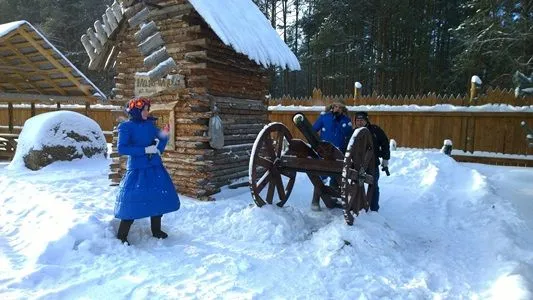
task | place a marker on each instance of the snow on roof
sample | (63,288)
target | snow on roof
(241,25)
(9,27)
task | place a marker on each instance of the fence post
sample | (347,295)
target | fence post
(10,117)
(447,147)
(475,83)
(356,91)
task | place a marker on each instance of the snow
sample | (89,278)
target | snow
(9,27)
(42,130)
(241,25)
(475,79)
(167,64)
(413,108)
(445,230)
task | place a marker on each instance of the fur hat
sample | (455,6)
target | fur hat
(340,104)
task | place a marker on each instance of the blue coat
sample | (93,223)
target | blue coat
(146,188)
(336,130)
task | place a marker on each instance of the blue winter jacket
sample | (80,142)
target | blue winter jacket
(134,136)
(336,130)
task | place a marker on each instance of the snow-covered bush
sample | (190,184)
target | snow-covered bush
(58,136)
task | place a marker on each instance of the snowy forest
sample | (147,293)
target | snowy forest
(393,47)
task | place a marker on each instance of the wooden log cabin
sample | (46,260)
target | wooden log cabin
(200,62)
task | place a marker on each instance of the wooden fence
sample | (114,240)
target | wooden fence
(490,96)
(13,116)
(471,130)
(20,113)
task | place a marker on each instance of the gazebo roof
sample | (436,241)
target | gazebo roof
(30,65)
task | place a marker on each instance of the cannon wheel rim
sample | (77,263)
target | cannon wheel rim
(266,154)
(359,159)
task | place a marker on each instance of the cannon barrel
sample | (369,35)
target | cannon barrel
(305,127)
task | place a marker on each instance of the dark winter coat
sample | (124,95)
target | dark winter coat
(334,129)
(381,141)
(146,188)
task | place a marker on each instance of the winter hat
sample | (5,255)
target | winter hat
(361,115)
(338,103)
(135,107)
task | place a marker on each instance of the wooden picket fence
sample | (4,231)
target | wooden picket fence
(13,116)
(477,134)
(471,131)
(490,96)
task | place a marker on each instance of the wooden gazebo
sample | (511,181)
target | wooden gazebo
(33,71)
(197,60)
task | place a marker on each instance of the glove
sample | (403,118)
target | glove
(385,163)
(164,132)
(385,166)
(152,149)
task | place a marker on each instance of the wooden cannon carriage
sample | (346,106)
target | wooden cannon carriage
(276,158)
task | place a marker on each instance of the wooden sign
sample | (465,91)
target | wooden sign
(145,87)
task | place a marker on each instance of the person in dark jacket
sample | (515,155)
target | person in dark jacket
(146,189)
(381,150)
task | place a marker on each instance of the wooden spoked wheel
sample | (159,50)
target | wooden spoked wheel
(357,187)
(265,173)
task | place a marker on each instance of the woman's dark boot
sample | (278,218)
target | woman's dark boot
(123,230)
(156,227)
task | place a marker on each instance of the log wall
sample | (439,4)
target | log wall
(215,75)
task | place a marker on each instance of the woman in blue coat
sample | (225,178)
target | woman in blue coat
(146,190)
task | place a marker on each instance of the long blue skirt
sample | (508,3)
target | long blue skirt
(146,192)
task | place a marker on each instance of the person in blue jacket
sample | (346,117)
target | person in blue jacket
(146,189)
(335,127)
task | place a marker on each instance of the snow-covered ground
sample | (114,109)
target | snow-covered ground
(445,230)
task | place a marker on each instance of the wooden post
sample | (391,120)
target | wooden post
(87,108)
(356,91)
(447,147)
(10,116)
(475,82)
(58,106)
(32,109)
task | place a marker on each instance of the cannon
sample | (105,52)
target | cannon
(277,157)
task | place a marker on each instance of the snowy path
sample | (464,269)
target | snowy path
(445,230)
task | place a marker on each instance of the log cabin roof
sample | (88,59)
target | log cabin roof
(241,25)
(31,65)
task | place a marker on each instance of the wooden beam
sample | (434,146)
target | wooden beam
(8,36)
(16,85)
(23,76)
(55,62)
(30,63)
(45,99)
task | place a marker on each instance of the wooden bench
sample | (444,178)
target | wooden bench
(8,145)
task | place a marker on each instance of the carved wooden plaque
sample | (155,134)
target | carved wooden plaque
(145,87)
